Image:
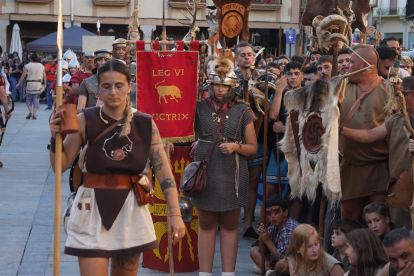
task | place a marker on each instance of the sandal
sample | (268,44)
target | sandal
(29,116)
(1,165)
(34,117)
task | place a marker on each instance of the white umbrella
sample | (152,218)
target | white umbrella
(16,43)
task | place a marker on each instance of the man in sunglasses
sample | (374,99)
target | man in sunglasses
(276,236)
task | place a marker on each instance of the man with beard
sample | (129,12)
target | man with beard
(244,56)
(343,59)
(79,76)
(278,114)
(324,66)
(364,167)
(88,90)
(399,247)
(282,61)
(387,57)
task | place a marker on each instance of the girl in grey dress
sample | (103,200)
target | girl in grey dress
(227,173)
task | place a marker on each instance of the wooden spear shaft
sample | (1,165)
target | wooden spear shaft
(58,153)
(263,207)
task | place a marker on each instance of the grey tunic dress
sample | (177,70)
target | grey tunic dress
(220,193)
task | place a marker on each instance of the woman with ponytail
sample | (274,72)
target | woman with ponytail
(107,224)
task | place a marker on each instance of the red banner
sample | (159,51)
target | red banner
(167,90)
(185,253)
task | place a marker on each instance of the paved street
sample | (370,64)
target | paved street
(27,204)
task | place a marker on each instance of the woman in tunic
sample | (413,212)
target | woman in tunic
(106,221)
(227,173)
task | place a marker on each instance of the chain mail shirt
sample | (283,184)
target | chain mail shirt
(220,192)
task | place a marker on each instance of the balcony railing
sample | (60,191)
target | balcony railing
(182,4)
(266,5)
(376,12)
(111,2)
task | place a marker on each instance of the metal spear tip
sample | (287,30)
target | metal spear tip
(98,25)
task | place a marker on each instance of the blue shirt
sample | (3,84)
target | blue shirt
(281,238)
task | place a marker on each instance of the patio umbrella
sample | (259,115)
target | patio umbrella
(16,43)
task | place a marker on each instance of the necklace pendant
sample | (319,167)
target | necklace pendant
(119,155)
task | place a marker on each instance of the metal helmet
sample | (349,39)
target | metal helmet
(74,63)
(69,54)
(222,72)
(65,64)
(66,78)
(88,54)
(133,68)
(103,53)
(120,42)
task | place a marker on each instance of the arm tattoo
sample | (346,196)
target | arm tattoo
(156,160)
(168,183)
(129,263)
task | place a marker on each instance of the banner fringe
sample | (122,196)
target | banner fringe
(185,139)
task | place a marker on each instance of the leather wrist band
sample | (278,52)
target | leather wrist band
(53,145)
(340,128)
(178,215)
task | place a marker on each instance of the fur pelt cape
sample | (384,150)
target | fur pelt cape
(322,166)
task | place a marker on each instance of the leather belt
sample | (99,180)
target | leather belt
(107,181)
(33,80)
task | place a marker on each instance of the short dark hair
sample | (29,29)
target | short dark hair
(33,57)
(397,235)
(385,52)
(283,56)
(270,56)
(346,225)
(385,40)
(407,84)
(378,208)
(344,51)
(306,62)
(292,65)
(242,45)
(275,59)
(273,65)
(315,52)
(310,70)
(276,200)
(324,59)
(298,59)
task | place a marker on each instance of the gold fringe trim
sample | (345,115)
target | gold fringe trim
(185,139)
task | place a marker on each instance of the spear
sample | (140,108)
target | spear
(98,26)
(280,39)
(263,208)
(58,151)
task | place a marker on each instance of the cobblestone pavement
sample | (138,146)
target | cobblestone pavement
(27,205)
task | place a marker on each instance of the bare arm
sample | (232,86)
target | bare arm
(365,135)
(249,146)
(274,108)
(161,168)
(72,143)
(292,270)
(22,77)
(385,270)
(81,103)
(3,98)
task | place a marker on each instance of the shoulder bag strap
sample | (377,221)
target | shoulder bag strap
(219,127)
(361,99)
(100,135)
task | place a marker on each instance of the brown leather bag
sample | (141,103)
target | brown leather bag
(195,175)
(143,188)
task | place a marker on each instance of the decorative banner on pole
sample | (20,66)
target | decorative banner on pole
(291,36)
(186,251)
(167,89)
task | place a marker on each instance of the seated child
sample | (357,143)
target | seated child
(276,236)
(306,257)
(365,253)
(378,219)
(341,228)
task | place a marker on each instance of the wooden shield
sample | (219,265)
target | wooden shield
(232,24)
(312,134)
